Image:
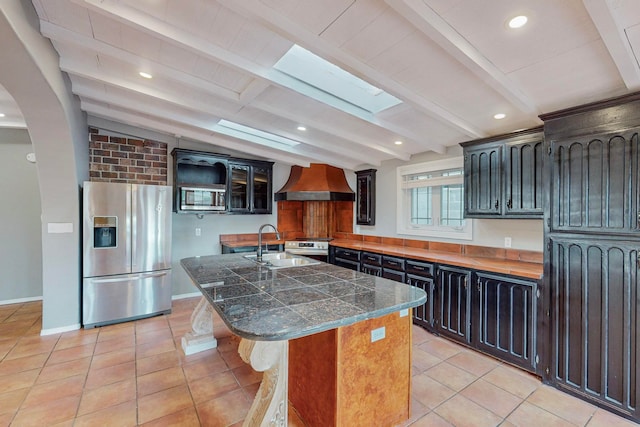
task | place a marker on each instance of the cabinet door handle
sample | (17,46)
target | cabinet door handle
(509,204)
(497,204)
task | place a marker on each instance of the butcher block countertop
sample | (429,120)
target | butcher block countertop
(524,264)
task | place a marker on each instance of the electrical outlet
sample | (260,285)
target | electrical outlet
(378,334)
(198,231)
(507,242)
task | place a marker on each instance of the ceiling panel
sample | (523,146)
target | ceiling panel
(452,63)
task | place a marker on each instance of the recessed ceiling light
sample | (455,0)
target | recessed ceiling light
(1,114)
(499,116)
(302,128)
(145,75)
(398,142)
(518,21)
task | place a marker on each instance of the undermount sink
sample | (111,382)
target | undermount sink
(282,260)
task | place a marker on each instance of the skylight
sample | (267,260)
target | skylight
(314,71)
(254,135)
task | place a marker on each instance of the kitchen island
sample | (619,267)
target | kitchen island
(327,311)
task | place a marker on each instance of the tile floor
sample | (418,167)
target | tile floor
(136,374)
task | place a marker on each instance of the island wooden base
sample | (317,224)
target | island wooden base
(341,378)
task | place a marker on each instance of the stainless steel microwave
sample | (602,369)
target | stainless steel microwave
(209,198)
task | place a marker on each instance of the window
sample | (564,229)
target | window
(431,200)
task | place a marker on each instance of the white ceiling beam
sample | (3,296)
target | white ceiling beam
(308,121)
(170,34)
(615,40)
(161,125)
(63,35)
(258,11)
(425,19)
(85,92)
(136,119)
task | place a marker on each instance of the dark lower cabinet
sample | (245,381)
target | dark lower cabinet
(423,315)
(595,311)
(453,311)
(505,310)
(346,258)
(393,268)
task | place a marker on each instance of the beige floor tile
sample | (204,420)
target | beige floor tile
(422,360)
(429,392)
(602,418)
(5,419)
(154,335)
(73,353)
(529,415)
(43,393)
(224,410)
(151,348)
(108,346)
(64,370)
(476,363)
(246,375)
(232,359)
(440,348)
(117,356)
(107,396)
(157,362)
(112,374)
(119,331)
(18,381)
(151,324)
(13,366)
(160,380)
(509,379)
(77,338)
(432,420)
(563,405)
(187,417)
(163,403)
(420,335)
(30,348)
(451,376)
(462,412)
(48,413)
(491,397)
(11,401)
(213,386)
(122,415)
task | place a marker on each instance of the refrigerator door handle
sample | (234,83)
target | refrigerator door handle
(133,228)
(119,278)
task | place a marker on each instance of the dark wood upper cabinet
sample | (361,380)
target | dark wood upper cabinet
(250,187)
(366,197)
(503,176)
(595,183)
(246,184)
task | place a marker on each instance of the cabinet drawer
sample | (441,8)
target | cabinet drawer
(348,254)
(393,263)
(398,276)
(371,258)
(424,269)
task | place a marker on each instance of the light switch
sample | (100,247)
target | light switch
(404,312)
(198,231)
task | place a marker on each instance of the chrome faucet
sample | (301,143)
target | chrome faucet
(259,253)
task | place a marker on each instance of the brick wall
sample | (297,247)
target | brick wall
(119,159)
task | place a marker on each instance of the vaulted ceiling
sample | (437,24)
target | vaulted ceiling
(454,64)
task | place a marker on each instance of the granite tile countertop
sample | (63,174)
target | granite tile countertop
(261,304)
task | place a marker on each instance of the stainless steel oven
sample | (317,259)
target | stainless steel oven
(315,249)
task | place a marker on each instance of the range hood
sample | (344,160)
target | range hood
(318,182)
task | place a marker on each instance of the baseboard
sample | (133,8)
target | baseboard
(20,300)
(183,296)
(59,330)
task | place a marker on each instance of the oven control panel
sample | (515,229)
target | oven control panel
(297,244)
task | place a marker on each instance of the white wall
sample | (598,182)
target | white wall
(525,234)
(21,243)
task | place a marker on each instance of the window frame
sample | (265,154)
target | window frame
(403,213)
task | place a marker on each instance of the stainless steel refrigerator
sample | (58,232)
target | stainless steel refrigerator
(127,252)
